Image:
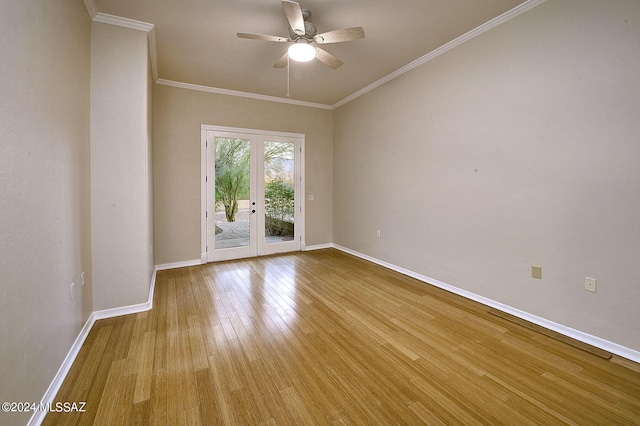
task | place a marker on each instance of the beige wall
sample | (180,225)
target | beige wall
(519,147)
(179,113)
(44,192)
(120,166)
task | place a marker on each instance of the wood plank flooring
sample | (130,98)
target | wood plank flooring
(323,337)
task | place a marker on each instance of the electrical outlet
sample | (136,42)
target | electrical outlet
(590,284)
(536,271)
(378,233)
(71,291)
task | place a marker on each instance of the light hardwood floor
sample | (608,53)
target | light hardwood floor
(326,338)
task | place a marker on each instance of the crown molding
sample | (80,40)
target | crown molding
(507,16)
(150,29)
(241,94)
(119,21)
(91,8)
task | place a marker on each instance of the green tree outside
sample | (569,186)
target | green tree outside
(232,171)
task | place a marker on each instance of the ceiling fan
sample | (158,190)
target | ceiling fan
(304,34)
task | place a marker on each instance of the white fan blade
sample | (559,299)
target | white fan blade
(337,36)
(263,37)
(282,62)
(294,15)
(328,59)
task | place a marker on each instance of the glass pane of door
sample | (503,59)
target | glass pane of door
(279,191)
(232,192)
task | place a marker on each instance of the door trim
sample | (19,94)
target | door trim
(204,128)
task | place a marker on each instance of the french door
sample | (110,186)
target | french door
(253,196)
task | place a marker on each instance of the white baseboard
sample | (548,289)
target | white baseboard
(317,247)
(38,416)
(603,344)
(130,309)
(51,392)
(123,310)
(183,264)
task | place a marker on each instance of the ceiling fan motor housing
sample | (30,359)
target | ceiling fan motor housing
(310,32)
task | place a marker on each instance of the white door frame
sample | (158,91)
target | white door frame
(299,223)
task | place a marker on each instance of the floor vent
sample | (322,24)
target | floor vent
(568,340)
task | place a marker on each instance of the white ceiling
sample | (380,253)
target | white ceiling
(196,40)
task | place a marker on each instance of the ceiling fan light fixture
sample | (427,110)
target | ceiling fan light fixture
(302,51)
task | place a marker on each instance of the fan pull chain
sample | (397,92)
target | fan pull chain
(288,72)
